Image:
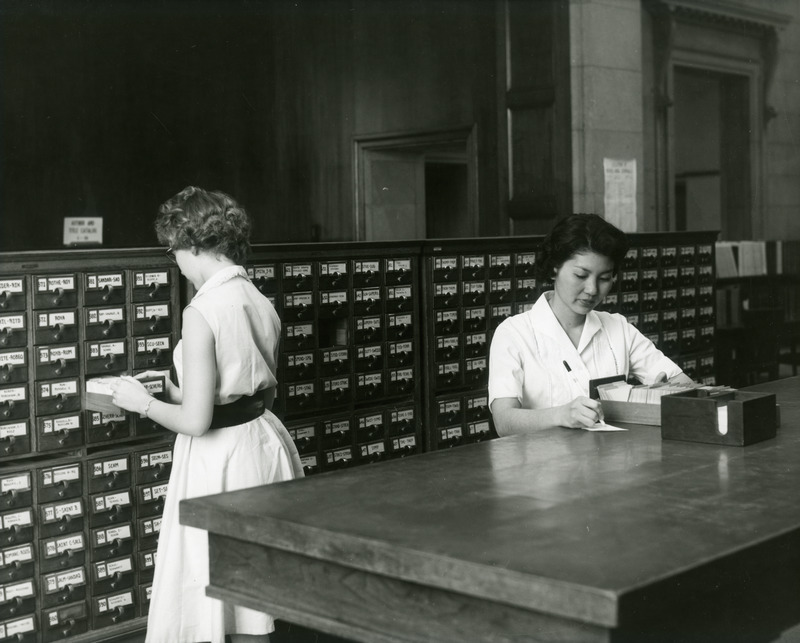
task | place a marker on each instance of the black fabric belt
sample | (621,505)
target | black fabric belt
(245,409)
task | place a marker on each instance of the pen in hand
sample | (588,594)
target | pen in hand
(599,411)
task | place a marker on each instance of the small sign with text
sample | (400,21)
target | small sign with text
(80,231)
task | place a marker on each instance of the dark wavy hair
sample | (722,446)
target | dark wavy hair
(578,233)
(204,220)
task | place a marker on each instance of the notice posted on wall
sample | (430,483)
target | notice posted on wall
(620,193)
(83,231)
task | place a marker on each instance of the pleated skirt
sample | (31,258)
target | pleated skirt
(248,455)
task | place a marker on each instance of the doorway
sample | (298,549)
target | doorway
(712,152)
(416,186)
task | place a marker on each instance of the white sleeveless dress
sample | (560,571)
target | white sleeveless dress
(246,329)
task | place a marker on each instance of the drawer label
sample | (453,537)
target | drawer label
(11,285)
(144,279)
(474,261)
(105,536)
(474,287)
(102,315)
(403,415)
(152,526)
(337,426)
(263,272)
(17,482)
(104,349)
(338,384)
(15,358)
(301,389)
(18,627)
(57,512)
(368,323)
(374,447)
(108,502)
(16,394)
(55,582)
(51,320)
(445,289)
(368,294)
(148,460)
(13,430)
(104,467)
(99,419)
(21,554)
(404,442)
(398,265)
(475,313)
(51,284)
(365,352)
(370,379)
(12,322)
(399,320)
(333,268)
(298,300)
(444,263)
(400,348)
(297,270)
(369,421)
(48,355)
(302,433)
(109,603)
(151,344)
(73,542)
(56,389)
(478,401)
(56,475)
(153,493)
(114,567)
(22,518)
(96,282)
(366,266)
(151,311)
(299,330)
(337,355)
(18,590)
(333,297)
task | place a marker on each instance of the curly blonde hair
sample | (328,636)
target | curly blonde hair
(204,220)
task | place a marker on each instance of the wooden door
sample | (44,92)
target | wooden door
(394,195)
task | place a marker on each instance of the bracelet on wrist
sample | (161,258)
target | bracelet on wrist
(147,407)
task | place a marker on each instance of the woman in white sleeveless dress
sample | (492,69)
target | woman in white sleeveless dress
(227,438)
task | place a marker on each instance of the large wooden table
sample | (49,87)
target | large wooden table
(563,536)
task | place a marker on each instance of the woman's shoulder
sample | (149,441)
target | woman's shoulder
(518,323)
(615,321)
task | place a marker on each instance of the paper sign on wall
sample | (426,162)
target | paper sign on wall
(83,231)
(620,193)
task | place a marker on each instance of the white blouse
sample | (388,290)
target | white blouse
(246,331)
(530,352)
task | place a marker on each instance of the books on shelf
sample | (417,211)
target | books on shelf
(726,261)
(755,258)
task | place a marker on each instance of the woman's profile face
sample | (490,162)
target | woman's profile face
(582,282)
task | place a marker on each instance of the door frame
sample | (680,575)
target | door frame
(728,38)
(428,140)
(724,66)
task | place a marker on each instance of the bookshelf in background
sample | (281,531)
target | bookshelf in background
(758,309)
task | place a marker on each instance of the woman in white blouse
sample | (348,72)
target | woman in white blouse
(541,361)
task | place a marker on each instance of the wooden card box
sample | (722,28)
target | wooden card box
(693,416)
(632,412)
